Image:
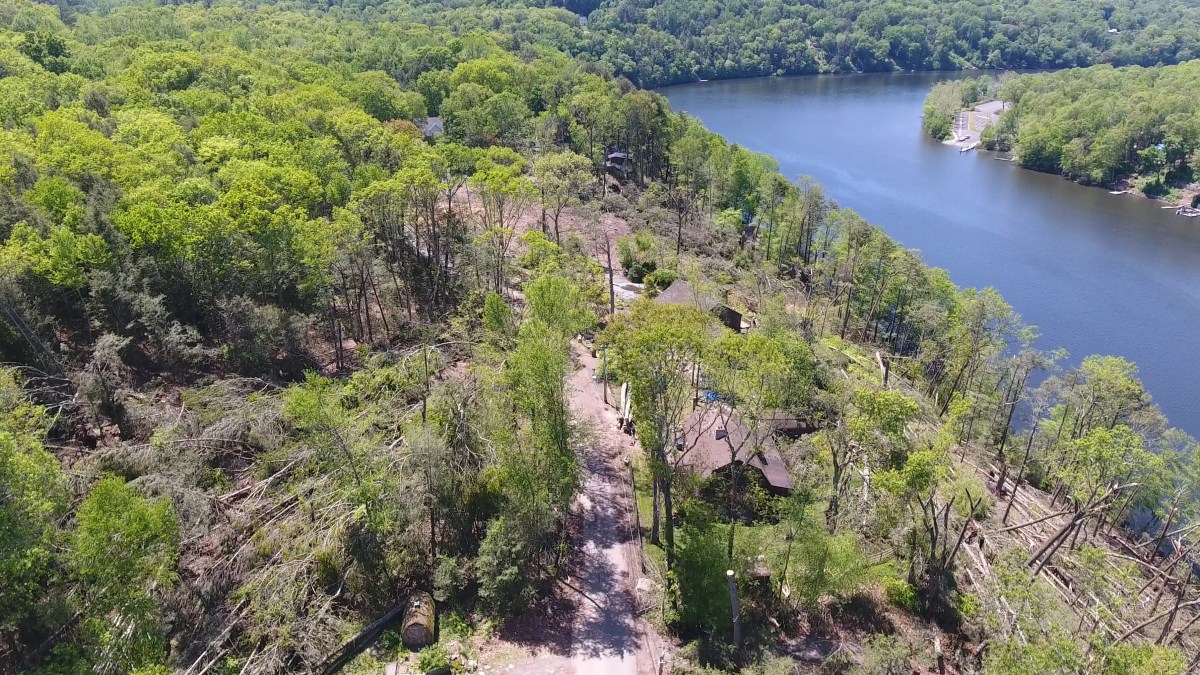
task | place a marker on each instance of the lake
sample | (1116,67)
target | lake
(1096,273)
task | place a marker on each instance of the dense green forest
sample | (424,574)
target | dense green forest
(1101,124)
(670,41)
(274,361)
(659,43)
(656,43)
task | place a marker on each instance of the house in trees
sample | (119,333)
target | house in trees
(617,161)
(432,126)
(715,439)
(681,292)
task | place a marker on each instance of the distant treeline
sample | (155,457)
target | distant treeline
(658,42)
(661,42)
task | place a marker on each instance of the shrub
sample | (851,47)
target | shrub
(432,658)
(658,281)
(449,578)
(966,483)
(966,605)
(637,254)
(502,566)
(902,594)
(453,625)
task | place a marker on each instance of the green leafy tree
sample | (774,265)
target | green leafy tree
(33,498)
(656,348)
(563,179)
(123,552)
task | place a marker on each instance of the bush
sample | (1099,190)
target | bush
(966,605)
(503,565)
(884,654)
(453,625)
(432,658)
(449,578)
(637,255)
(902,594)
(658,281)
(966,483)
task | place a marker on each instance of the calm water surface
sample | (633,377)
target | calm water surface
(1096,273)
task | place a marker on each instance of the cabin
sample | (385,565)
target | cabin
(715,439)
(432,126)
(617,161)
(681,292)
(418,628)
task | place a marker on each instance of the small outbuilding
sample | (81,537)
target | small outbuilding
(418,628)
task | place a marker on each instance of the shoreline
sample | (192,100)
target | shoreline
(1121,187)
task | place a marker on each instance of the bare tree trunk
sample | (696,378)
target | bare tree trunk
(736,608)
(1183,586)
(654,521)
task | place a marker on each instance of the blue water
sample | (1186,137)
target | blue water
(1096,273)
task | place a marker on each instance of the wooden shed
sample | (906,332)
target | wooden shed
(418,627)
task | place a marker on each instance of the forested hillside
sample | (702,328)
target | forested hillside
(276,360)
(1101,124)
(672,41)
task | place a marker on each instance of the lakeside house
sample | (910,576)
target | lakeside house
(715,439)
(681,292)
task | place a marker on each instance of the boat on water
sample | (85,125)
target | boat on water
(1117,192)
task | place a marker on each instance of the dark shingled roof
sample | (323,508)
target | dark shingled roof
(432,126)
(681,292)
(706,454)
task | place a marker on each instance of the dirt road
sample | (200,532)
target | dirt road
(607,637)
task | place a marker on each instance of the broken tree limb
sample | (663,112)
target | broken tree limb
(1035,521)
(355,646)
(1127,634)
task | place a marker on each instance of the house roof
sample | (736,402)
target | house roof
(681,292)
(432,126)
(713,432)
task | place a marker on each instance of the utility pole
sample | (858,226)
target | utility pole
(637,516)
(604,374)
(737,611)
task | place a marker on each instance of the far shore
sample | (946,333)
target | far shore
(970,124)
